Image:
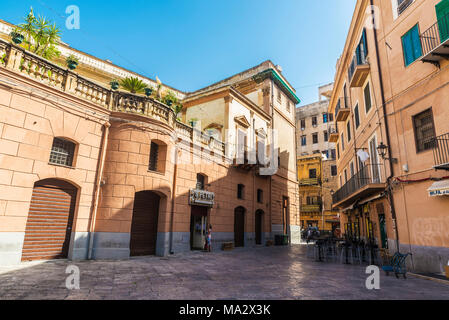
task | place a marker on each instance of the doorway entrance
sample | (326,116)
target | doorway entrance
(239,227)
(50,219)
(144,224)
(198,227)
(259,219)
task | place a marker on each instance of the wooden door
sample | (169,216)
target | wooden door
(144,224)
(239,227)
(50,219)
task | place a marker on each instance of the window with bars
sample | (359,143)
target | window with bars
(312,173)
(314,121)
(303,124)
(424,130)
(154,153)
(326,136)
(200,181)
(62,152)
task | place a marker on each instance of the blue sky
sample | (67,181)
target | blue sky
(190,44)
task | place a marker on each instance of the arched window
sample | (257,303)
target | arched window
(62,152)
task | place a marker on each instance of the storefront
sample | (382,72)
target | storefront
(200,201)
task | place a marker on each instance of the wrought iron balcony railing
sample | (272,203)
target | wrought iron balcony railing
(310,182)
(435,41)
(369,174)
(359,59)
(342,110)
(441,152)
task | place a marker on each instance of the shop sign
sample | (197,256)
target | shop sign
(201,198)
(436,193)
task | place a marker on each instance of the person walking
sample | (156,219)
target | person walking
(209,239)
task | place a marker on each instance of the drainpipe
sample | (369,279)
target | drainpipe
(387,132)
(175,173)
(98,179)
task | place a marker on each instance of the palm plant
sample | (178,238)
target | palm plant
(41,36)
(133,85)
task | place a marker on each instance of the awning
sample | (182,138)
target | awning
(439,188)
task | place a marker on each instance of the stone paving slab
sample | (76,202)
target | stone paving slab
(260,273)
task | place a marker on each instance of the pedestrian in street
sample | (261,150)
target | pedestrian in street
(209,239)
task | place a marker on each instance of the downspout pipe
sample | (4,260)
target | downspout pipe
(387,132)
(98,183)
(173,196)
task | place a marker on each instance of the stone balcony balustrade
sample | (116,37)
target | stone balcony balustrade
(21,61)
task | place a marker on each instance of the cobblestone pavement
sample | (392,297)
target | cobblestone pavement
(249,273)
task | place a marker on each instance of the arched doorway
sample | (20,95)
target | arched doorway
(144,223)
(258,227)
(239,227)
(50,220)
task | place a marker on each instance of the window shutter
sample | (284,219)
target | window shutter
(408,48)
(365,43)
(416,42)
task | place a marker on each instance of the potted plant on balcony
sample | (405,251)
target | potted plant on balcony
(133,85)
(170,99)
(72,62)
(114,84)
(148,91)
(16,36)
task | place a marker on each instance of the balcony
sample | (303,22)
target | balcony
(311,208)
(365,183)
(441,152)
(310,182)
(435,42)
(342,109)
(333,134)
(358,69)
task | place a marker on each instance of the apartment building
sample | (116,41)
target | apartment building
(388,101)
(316,162)
(87,172)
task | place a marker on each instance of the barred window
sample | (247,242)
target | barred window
(62,152)
(424,130)
(154,152)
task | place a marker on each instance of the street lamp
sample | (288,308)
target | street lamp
(382,150)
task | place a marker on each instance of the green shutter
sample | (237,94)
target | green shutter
(442,10)
(416,42)
(411,43)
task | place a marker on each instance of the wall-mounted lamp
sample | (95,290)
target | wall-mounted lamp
(382,149)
